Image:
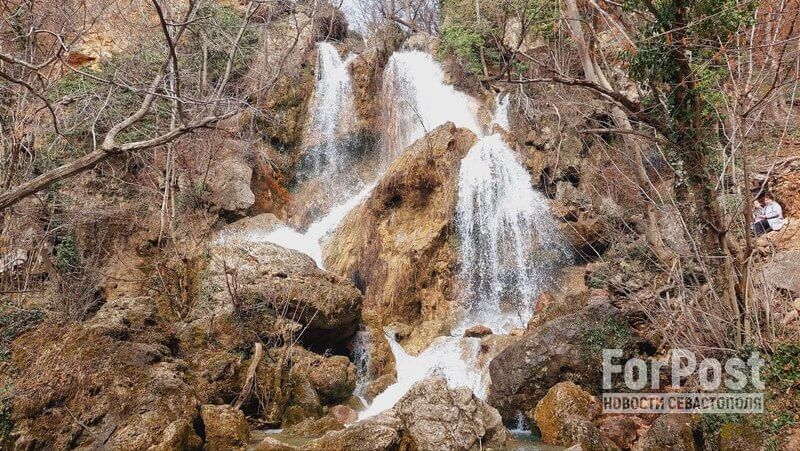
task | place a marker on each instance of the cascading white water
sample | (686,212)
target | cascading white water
(508,238)
(310,242)
(420,102)
(451,357)
(508,247)
(332,114)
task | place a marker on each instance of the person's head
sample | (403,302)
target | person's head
(756,204)
(767,198)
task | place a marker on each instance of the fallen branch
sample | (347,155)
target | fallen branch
(249,381)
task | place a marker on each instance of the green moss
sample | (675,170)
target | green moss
(606,334)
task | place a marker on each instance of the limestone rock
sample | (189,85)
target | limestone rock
(118,317)
(333,378)
(477,331)
(563,402)
(567,348)
(620,429)
(343,414)
(378,386)
(583,433)
(396,244)
(178,435)
(229,183)
(429,416)
(781,271)
(378,433)
(672,432)
(439,418)
(314,427)
(226,427)
(269,280)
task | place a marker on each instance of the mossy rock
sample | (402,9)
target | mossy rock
(738,437)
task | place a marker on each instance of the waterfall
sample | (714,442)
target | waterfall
(332,116)
(310,242)
(451,357)
(361,344)
(418,100)
(508,239)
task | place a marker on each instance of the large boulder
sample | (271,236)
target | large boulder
(397,246)
(229,180)
(259,283)
(563,402)
(225,426)
(568,348)
(429,416)
(672,432)
(437,417)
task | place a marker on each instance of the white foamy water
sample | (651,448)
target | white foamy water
(505,229)
(420,101)
(332,113)
(509,241)
(506,235)
(451,357)
(310,242)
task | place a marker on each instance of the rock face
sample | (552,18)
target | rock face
(115,373)
(263,282)
(430,416)
(567,348)
(226,428)
(781,271)
(672,432)
(396,245)
(563,402)
(229,182)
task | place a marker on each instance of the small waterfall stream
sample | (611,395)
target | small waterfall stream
(332,115)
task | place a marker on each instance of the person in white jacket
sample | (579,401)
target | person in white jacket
(770,217)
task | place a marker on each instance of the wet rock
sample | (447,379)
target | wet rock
(261,281)
(567,348)
(378,433)
(314,427)
(672,432)
(333,378)
(738,437)
(478,331)
(563,402)
(271,444)
(303,402)
(343,414)
(378,386)
(396,245)
(430,416)
(225,427)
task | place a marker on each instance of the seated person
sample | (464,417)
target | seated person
(770,217)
